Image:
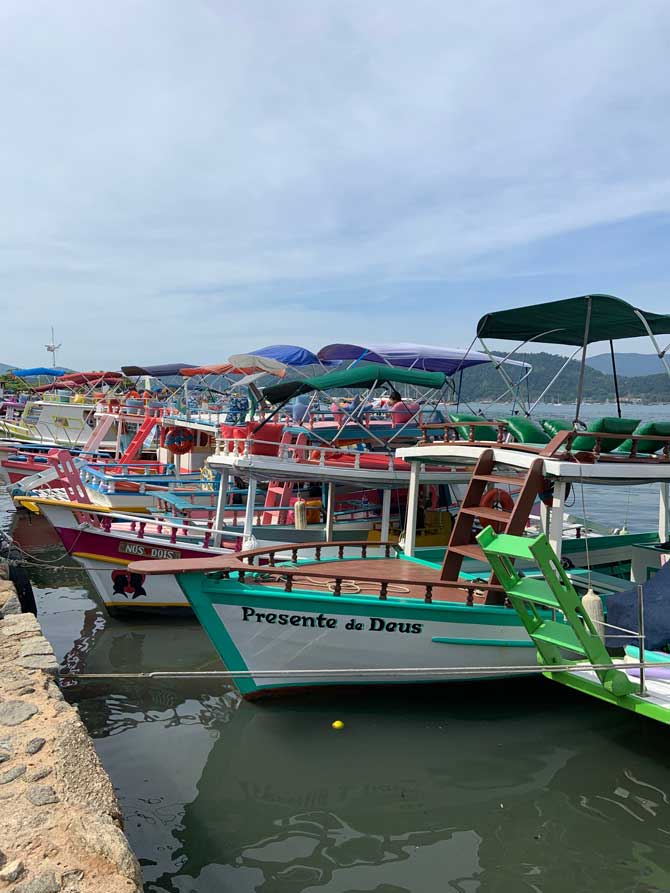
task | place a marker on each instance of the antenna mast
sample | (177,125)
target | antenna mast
(53,347)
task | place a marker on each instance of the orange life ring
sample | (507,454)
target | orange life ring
(500,500)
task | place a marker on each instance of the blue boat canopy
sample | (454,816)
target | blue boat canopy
(407,355)
(39,370)
(164,370)
(289,354)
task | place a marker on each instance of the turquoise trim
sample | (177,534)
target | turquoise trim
(505,643)
(205,593)
(598,543)
(216,631)
(652,657)
(232,592)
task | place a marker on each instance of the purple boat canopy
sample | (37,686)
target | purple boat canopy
(165,370)
(289,354)
(407,355)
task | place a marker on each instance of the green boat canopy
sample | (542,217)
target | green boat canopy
(357,377)
(564,322)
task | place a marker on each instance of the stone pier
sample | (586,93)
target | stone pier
(61,828)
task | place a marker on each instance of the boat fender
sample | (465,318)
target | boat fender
(500,500)
(593,607)
(299,514)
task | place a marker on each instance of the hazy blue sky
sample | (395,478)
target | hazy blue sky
(185,179)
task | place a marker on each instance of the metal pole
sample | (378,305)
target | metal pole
(657,346)
(221,502)
(330,511)
(249,512)
(386,516)
(640,630)
(616,381)
(585,345)
(412,507)
(663,503)
(460,388)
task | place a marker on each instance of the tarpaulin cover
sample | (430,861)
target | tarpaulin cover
(289,354)
(622,610)
(356,377)
(161,371)
(564,322)
(407,355)
(77,379)
(39,370)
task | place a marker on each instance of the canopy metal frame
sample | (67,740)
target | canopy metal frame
(586,340)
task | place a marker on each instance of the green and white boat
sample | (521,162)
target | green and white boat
(288,617)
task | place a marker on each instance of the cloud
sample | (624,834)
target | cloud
(197,179)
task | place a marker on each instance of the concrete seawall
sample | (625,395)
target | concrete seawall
(61,828)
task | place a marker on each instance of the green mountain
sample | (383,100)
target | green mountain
(627,364)
(485,383)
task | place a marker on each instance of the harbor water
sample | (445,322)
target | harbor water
(506,787)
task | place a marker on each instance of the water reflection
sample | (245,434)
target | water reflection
(519,786)
(464,789)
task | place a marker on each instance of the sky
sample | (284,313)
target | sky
(181,181)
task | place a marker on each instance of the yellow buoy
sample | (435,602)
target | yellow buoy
(338,724)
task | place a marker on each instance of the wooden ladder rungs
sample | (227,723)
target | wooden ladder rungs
(470,550)
(514,481)
(486,513)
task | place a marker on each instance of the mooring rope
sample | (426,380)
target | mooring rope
(398,672)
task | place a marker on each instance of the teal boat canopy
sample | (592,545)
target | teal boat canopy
(587,318)
(371,375)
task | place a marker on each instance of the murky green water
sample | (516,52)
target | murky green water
(504,787)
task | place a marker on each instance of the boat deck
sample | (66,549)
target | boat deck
(364,576)
(381,577)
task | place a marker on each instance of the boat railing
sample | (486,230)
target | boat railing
(559,447)
(268,554)
(313,454)
(140,526)
(363,418)
(338,582)
(244,566)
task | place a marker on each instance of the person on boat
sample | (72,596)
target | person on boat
(300,407)
(401,412)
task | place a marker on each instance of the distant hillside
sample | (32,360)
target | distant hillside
(629,365)
(485,383)
(5,368)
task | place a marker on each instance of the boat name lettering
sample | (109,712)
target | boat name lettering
(321,621)
(148,551)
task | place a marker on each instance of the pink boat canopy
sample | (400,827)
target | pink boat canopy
(78,379)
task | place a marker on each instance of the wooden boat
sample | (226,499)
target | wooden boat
(384,619)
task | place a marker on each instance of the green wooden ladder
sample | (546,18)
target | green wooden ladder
(537,601)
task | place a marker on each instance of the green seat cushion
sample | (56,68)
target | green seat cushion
(607,425)
(524,430)
(483,432)
(651,429)
(554,426)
